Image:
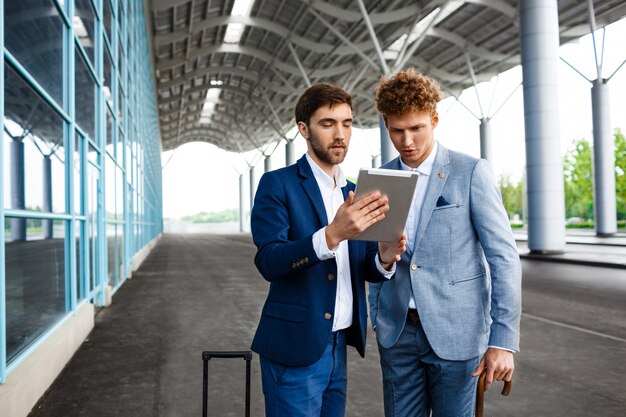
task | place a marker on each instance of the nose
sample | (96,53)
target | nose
(407,138)
(340,132)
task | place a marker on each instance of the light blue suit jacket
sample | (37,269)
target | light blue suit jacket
(464,269)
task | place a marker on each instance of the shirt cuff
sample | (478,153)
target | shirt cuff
(383,271)
(321,247)
(501,348)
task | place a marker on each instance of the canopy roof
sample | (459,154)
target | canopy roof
(239,93)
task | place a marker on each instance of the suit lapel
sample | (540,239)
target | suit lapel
(436,182)
(312,190)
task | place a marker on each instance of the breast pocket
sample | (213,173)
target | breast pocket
(447,207)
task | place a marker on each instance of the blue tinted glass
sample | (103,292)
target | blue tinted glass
(35,279)
(33,137)
(85,97)
(84,25)
(33,33)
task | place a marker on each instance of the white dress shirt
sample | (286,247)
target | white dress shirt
(332,195)
(425,170)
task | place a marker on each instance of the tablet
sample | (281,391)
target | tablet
(399,187)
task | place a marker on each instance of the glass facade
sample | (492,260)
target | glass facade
(81,168)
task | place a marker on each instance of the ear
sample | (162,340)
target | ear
(304,130)
(435,120)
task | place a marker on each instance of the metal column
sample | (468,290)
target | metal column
(603,161)
(387,151)
(486,140)
(290,153)
(18,196)
(539,32)
(252,187)
(268,163)
(241,207)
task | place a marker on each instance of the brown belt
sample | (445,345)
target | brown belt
(412,317)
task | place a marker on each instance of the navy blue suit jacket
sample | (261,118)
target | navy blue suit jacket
(297,318)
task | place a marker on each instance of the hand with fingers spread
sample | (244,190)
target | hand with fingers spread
(353,217)
(390,252)
(499,364)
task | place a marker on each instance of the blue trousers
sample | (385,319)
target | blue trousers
(417,382)
(317,390)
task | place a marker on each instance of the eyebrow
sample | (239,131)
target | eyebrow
(409,127)
(330,119)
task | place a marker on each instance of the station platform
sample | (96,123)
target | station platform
(199,292)
(582,248)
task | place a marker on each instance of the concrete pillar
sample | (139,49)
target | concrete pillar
(18,196)
(603,161)
(387,151)
(252,187)
(290,153)
(486,140)
(242,210)
(268,163)
(539,31)
(47,195)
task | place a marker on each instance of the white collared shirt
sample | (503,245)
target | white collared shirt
(330,188)
(425,170)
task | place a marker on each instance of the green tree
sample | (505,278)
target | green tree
(578,178)
(620,174)
(511,195)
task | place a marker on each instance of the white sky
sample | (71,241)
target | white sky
(201,177)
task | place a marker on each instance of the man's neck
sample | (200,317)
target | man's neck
(329,169)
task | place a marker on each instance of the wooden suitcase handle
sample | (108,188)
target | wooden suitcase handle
(480,392)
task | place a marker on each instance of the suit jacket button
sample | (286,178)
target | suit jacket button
(331,277)
(327,316)
(414,267)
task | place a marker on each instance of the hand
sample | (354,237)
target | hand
(499,364)
(354,217)
(390,252)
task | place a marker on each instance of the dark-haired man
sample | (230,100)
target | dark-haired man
(302,218)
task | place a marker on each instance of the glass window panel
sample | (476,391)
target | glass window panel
(33,33)
(107,75)
(109,182)
(84,25)
(111,252)
(109,146)
(119,245)
(107,18)
(33,142)
(94,175)
(78,174)
(57,184)
(92,155)
(120,95)
(35,281)
(80,262)
(85,97)
(119,194)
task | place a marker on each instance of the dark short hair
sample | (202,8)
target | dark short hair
(319,95)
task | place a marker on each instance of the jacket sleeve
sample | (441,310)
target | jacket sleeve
(277,257)
(494,232)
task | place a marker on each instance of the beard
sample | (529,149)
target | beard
(329,155)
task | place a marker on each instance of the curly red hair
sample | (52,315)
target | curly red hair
(407,91)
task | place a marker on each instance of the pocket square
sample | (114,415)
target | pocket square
(442,202)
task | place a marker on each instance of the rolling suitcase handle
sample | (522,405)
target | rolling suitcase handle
(206,356)
(480,392)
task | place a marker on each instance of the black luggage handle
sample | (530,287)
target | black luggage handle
(206,357)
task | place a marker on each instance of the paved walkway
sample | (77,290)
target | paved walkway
(202,292)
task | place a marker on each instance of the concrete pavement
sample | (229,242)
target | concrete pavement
(202,292)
